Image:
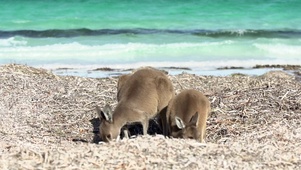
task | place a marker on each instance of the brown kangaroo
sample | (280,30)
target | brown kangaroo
(186,115)
(140,96)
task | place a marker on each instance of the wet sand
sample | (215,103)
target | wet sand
(224,71)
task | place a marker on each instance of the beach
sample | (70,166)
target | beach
(49,121)
(60,59)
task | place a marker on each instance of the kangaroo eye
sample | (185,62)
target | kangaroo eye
(108,136)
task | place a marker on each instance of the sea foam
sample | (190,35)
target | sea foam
(206,55)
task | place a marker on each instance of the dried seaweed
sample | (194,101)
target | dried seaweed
(254,124)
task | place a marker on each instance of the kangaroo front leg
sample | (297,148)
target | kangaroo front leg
(126,132)
(145,124)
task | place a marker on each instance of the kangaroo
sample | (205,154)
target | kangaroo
(141,95)
(186,115)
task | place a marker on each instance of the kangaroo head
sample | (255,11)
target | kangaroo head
(189,131)
(107,129)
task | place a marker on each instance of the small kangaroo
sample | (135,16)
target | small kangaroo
(186,115)
(141,95)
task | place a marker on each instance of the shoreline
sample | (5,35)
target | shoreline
(257,70)
(110,72)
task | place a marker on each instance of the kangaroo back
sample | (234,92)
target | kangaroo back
(141,96)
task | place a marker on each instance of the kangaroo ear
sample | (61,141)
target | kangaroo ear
(105,114)
(194,119)
(179,122)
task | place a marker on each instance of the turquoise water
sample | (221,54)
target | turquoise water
(202,35)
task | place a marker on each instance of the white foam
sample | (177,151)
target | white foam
(106,53)
(240,32)
(281,50)
(12,42)
(207,55)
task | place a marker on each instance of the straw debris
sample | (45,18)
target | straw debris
(47,122)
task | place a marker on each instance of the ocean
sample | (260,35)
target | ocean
(202,35)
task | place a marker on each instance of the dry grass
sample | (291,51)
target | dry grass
(255,124)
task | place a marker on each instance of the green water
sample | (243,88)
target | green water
(191,14)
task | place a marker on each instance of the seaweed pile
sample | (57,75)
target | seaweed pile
(47,123)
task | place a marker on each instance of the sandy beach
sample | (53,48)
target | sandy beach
(49,122)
